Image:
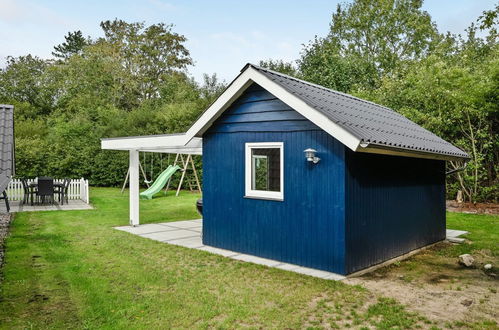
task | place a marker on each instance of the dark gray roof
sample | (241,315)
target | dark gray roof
(6,145)
(371,123)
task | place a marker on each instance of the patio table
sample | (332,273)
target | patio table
(33,185)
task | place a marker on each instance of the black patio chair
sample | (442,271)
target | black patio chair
(45,189)
(28,192)
(62,191)
(4,196)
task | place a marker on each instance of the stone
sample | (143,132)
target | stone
(466,260)
(487,266)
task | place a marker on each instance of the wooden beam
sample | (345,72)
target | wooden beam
(195,174)
(183,174)
(128,174)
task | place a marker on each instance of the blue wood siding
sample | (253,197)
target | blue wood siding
(393,205)
(307,228)
(348,212)
(259,111)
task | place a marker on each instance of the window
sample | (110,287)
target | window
(264,170)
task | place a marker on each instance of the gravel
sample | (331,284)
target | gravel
(5,219)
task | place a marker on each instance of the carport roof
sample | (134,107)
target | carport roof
(162,143)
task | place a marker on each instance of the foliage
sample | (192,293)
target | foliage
(281,66)
(130,82)
(489,20)
(368,40)
(74,43)
(453,93)
(148,54)
(389,51)
(23,80)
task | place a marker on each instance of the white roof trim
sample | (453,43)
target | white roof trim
(171,143)
(374,149)
(235,89)
(242,82)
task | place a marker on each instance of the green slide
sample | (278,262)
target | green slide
(160,182)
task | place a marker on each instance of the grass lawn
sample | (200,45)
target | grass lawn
(72,269)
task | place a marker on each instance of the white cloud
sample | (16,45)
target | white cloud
(10,10)
(25,11)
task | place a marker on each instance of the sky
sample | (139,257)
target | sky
(222,35)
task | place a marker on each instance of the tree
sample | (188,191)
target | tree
(281,66)
(489,20)
(454,94)
(367,40)
(149,54)
(73,45)
(130,82)
(211,88)
(24,80)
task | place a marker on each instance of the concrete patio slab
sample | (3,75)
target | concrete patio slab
(147,229)
(190,242)
(222,252)
(17,206)
(185,224)
(289,267)
(318,273)
(455,233)
(452,235)
(256,260)
(188,234)
(164,236)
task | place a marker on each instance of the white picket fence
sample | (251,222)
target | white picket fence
(78,189)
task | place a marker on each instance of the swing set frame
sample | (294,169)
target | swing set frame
(185,163)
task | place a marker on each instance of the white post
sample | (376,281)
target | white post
(87,192)
(82,187)
(134,187)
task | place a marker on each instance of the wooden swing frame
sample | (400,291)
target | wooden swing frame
(186,164)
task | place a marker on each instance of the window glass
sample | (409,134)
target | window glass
(266,169)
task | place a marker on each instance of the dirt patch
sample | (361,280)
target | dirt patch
(438,288)
(477,208)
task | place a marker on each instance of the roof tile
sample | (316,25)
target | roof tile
(367,121)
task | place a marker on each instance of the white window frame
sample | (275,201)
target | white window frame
(263,194)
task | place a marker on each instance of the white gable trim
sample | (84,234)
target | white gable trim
(243,81)
(235,89)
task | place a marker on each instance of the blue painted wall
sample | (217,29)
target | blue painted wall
(348,212)
(393,205)
(307,228)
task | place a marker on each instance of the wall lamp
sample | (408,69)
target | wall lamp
(310,155)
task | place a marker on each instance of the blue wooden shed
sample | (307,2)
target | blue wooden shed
(306,175)
(299,173)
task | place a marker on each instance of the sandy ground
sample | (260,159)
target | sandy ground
(438,288)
